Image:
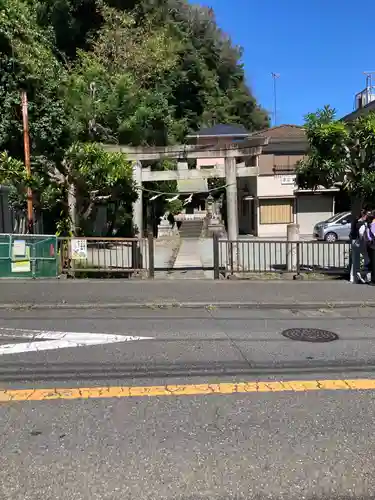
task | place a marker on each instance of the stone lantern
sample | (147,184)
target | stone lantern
(210,202)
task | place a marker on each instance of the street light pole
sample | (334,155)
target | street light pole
(26,144)
(275,76)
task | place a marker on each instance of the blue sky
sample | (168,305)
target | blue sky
(320,48)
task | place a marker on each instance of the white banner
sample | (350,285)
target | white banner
(78,249)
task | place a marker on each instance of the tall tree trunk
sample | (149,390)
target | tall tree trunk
(356,205)
(72,206)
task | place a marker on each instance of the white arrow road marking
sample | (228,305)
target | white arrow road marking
(58,340)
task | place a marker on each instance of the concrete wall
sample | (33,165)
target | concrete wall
(272,186)
(313,208)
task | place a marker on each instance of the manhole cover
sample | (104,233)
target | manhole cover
(310,335)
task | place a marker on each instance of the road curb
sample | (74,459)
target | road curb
(191,305)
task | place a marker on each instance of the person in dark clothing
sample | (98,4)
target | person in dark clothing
(358,247)
(357,222)
(369,240)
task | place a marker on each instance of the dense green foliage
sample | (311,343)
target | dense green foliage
(135,72)
(340,154)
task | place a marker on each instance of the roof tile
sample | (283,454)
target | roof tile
(285,131)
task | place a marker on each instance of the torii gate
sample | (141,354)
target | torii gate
(224,148)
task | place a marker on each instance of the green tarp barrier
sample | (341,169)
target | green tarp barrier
(28,256)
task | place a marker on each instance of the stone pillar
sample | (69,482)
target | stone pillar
(292,235)
(232,207)
(138,204)
(232,213)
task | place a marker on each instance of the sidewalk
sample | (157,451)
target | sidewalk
(179,293)
(189,261)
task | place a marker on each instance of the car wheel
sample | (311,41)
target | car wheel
(330,237)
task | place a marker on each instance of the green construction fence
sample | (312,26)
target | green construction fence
(28,256)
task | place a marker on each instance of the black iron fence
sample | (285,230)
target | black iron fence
(135,257)
(269,256)
(106,257)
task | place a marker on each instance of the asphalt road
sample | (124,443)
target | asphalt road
(94,294)
(292,445)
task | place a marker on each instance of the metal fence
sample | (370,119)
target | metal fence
(105,257)
(28,256)
(91,257)
(255,256)
(18,222)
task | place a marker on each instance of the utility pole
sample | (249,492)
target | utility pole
(275,76)
(26,144)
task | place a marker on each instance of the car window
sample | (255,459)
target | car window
(347,217)
(336,217)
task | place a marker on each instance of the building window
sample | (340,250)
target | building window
(276,211)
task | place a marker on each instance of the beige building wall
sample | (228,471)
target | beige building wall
(275,186)
(276,206)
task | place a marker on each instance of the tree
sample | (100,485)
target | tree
(136,72)
(175,62)
(87,177)
(91,176)
(211,87)
(115,91)
(28,63)
(340,154)
(13,175)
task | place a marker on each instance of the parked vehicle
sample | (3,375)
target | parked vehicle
(335,228)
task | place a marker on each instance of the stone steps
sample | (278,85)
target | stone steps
(191,229)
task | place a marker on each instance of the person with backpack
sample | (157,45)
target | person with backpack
(358,247)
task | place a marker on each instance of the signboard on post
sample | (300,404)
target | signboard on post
(78,249)
(288,179)
(20,257)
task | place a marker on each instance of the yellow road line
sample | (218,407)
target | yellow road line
(13,395)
